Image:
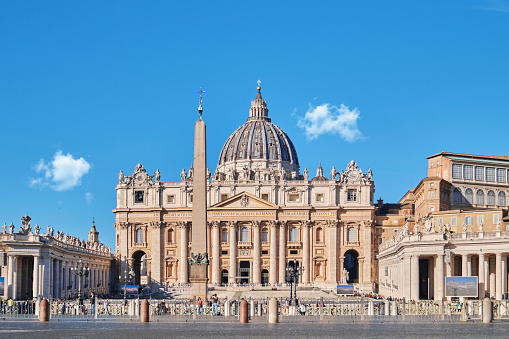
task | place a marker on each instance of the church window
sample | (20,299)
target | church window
(244,234)
(479,197)
(352,195)
(501,199)
(469,195)
(319,234)
(457,195)
(224,197)
(190,198)
(479,173)
(352,234)
(138,197)
(265,196)
(293,197)
(171,199)
(491,198)
(170,236)
(139,236)
(454,221)
(469,220)
(294,235)
(319,197)
(265,236)
(480,219)
(468,172)
(224,236)
(456,171)
(501,175)
(490,174)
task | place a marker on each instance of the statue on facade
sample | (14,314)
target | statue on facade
(25,227)
(370,175)
(183,175)
(344,276)
(11,228)
(481,227)
(37,229)
(465,227)
(283,173)
(447,228)
(306,174)
(499,228)
(209,174)
(158,175)
(4,228)
(121,177)
(333,173)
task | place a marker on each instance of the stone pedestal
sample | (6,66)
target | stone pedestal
(198,279)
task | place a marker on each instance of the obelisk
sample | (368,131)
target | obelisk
(199,260)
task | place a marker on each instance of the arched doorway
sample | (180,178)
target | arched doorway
(351,264)
(139,266)
(294,264)
(265,277)
(224,277)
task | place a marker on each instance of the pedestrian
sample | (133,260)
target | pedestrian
(92,302)
(214,304)
(302,309)
(106,304)
(200,306)
(287,304)
(10,303)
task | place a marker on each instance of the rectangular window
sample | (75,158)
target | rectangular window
(454,221)
(224,197)
(468,172)
(490,174)
(170,199)
(293,197)
(352,195)
(191,198)
(432,209)
(319,197)
(495,218)
(265,236)
(138,197)
(468,220)
(294,251)
(479,173)
(265,252)
(480,219)
(265,196)
(224,237)
(456,171)
(501,175)
(439,221)
(224,252)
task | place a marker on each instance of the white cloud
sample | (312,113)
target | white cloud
(330,119)
(61,174)
(89,197)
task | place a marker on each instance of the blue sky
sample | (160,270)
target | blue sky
(91,88)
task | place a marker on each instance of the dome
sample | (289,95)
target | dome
(258,143)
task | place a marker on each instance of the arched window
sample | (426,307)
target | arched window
(170,236)
(479,197)
(319,236)
(294,235)
(469,195)
(139,236)
(265,235)
(457,195)
(224,235)
(351,236)
(491,198)
(501,198)
(244,234)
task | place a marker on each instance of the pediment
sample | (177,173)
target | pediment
(244,200)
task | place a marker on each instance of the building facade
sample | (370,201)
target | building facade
(35,264)
(263,215)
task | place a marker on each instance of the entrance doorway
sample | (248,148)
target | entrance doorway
(265,277)
(139,266)
(245,272)
(295,264)
(224,277)
(423,279)
(27,278)
(351,264)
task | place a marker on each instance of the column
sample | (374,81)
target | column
(215,254)
(183,251)
(504,276)
(282,252)
(256,253)
(124,246)
(333,252)
(469,265)
(439,277)
(482,281)
(406,281)
(464,263)
(65,279)
(414,277)
(498,277)
(232,274)
(305,252)
(10,276)
(273,253)
(35,284)
(156,271)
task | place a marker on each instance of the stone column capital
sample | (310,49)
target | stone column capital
(232,223)
(273,223)
(156,224)
(183,224)
(213,224)
(332,223)
(306,223)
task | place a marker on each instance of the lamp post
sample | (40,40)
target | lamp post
(81,271)
(292,274)
(128,276)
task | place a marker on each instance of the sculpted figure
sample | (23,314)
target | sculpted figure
(121,177)
(447,228)
(183,175)
(11,228)
(370,174)
(499,228)
(333,173)
(465,227)
(481,227)
(209,174)
(306,174)
(344,276)
(4,228)
(158,175)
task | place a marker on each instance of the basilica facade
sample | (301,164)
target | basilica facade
(263,215)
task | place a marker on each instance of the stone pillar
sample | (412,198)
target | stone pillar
(156,269)
(414,277)
(464,265)
(183,251)
(124,246)
(10,276)
(469,265)
(273,253)
(216,279)
(498,274)
(406,281)
(439,277)
(305,252)
(35,284)
(232,274)
(332,277)
(256,253)
(282,252)
(504,276)
(482,281)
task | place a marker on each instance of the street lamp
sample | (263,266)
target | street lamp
(292,274)
(128,276)
(81,271)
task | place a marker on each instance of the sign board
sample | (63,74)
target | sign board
(129,289)
(461,287)
(345,290)
(2,286)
